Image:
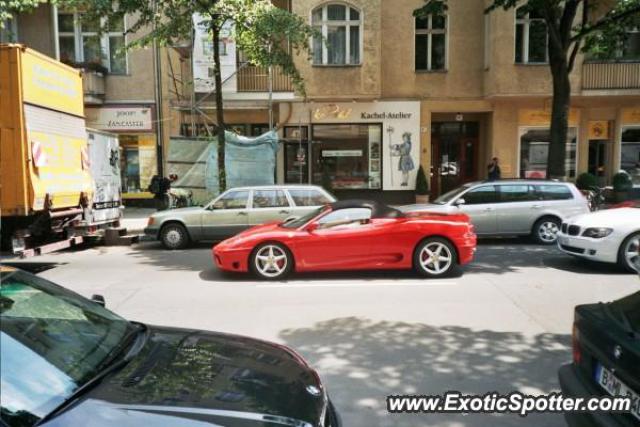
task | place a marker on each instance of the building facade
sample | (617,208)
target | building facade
(448,93)
(119,87)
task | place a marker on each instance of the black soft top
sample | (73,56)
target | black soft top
(378,210)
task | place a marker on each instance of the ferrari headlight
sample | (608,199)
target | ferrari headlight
(597,232)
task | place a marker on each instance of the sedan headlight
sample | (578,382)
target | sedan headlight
(597,232)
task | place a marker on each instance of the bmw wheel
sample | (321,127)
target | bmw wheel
(174,236)
(271,261)
(435,257)
(545,230)
(629,253)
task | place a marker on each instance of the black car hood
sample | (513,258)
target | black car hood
(195,378)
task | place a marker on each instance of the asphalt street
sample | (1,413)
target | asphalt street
(501,324)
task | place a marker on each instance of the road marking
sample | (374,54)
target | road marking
(352,285)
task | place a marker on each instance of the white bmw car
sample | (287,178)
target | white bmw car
(611,235)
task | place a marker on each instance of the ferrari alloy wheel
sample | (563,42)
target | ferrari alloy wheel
(174,236)
(435,257)
(629,254)
(545,230)
(271,261)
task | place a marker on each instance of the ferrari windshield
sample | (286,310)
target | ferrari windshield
(52,341)
(449,196)
(299,222)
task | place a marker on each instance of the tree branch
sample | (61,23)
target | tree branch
(605,21)
(577,43)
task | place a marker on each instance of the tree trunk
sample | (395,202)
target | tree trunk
(559,115)
(222,175)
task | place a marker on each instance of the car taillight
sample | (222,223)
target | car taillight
(575,344)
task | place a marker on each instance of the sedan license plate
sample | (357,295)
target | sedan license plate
(615,387)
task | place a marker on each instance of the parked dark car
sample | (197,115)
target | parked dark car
(68,361)
(606,360)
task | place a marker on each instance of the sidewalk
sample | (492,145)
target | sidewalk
(135,219)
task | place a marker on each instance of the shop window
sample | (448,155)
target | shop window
(138,162)
(269,199)
(340,27)
(630,153)
(81,43)
(534,153)
(531,37)
(347,156)
(431,43)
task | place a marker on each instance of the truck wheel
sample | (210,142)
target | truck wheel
(174,236)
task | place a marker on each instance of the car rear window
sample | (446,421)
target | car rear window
(554,192)
(308,197)
(516,193)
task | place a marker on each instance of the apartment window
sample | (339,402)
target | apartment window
(631,46)
(80,42)
(531,37)
(431,42)
(341,27)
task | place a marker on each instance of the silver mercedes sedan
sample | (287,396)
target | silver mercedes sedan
(233,211)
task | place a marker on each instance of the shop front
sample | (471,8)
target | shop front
(630,144)
(534,139)
(365,150)
(134,125)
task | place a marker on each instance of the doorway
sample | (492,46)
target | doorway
(454,155)
(599,155)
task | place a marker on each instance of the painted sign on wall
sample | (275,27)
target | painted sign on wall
(132,119)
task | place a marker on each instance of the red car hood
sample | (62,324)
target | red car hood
(437,216)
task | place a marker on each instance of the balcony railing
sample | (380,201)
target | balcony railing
(610,75)
(256,79)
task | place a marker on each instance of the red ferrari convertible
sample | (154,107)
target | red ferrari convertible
(351,235)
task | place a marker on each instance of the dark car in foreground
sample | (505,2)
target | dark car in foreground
(606,360)
(68,361)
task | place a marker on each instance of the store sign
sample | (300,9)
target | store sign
(341,153)
(631,116)
(203,64)
(599,130)
(530,117)
(121,119)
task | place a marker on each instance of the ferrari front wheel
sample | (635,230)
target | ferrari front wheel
(435,257)
(271,261)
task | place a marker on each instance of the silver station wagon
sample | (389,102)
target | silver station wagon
(233,211)
(512,207)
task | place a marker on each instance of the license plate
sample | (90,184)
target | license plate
(615,387)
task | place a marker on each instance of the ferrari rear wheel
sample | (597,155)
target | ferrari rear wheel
(271,261)
(435,257)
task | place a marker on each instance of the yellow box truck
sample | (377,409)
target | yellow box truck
(45,177)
